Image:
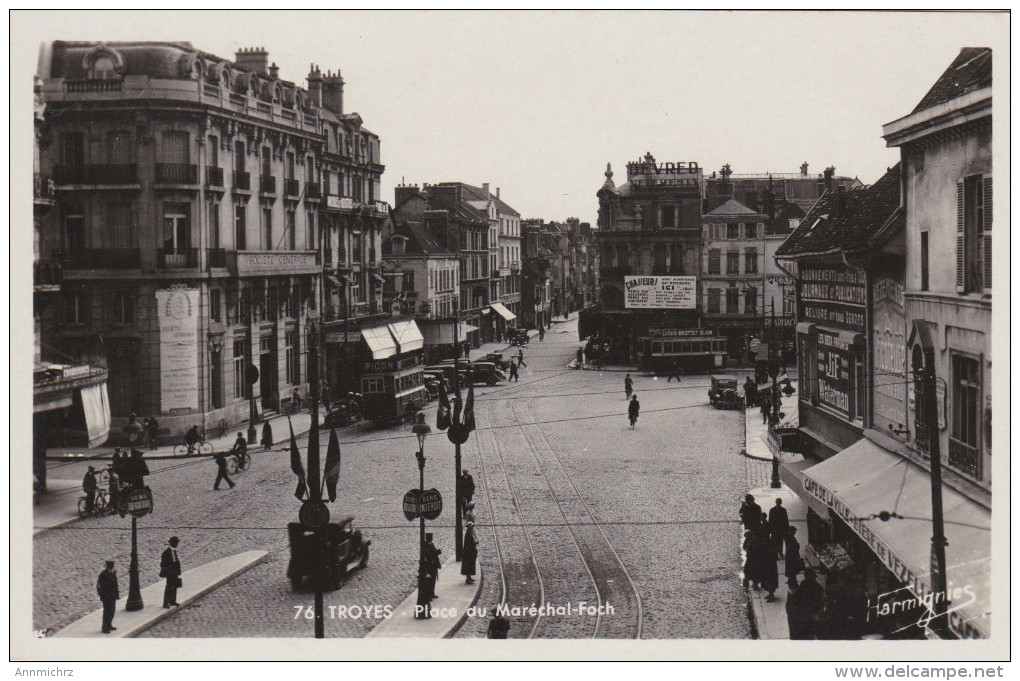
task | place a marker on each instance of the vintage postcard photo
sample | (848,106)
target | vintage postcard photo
(629,335)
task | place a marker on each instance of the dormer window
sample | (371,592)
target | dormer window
(103,63)
(103,69)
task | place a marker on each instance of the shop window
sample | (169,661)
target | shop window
(964,435)
(921,426)
(292,358)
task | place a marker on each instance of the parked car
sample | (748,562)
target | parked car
(346,551)
(486,372)
(723,394)
(447,371)
(497,359)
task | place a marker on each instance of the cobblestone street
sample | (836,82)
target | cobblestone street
(583,508)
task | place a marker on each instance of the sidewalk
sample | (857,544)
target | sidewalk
(449,609)
(757,433)
(197,582)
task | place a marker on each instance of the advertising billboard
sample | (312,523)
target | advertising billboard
(677,293)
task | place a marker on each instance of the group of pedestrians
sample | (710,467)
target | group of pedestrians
(108,587)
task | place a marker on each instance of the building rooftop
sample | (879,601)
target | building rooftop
(848,220)
(733,208)
(971,70)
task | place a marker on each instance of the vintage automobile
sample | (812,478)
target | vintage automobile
(447,371)
(724,394)
(346,551)
(486,372)
(518,336)
(497,359)
(433,382)
(344,412)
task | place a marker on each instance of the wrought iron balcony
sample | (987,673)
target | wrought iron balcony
(43,188)
(267,184)
(47,274)
(176,173)
(176,258)
(965,458)
(120,173)
(99,259)
(213,176)
(242,180)
(313,190)
(291,188)
(217,257)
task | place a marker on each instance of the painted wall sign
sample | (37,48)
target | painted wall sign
(834,372)
(178,348)
(678,293)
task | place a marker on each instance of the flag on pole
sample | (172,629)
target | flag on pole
(469,409)
(443,412)
(295,463)
(332,464)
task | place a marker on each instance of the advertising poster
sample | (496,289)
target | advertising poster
(677,293)
(178,348)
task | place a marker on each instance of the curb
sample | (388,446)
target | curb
(400,625)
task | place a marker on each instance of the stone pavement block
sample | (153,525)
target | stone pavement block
(450,608)
(197,582)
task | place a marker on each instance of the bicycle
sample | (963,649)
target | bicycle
(101,506)
(239,461)
(200,447)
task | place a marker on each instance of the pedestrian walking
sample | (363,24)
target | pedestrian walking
(432,567)
(170,568)
(633,409)
(794,611)
(109,593)
(469,554)
(152,428)
(296,400)
(580,357)
(541,334)
(750,512)
(117,463)
(675,373)
(766,407)
(89,486)
(779,523)
(752,571)
(765,555)
(499,627)
(513,372)
(469,512)
(267,435)
(326,395)
(114,491)
(794,563)
(221,470)
(750,393)
(811,603)
(628,385)
(466,488)
(520,357)
(136,469)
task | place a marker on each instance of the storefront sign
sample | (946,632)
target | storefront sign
(380,365)
(783,322)
(676,293)
(834,372)
(836,284)
(343,337)
(339,202)
(272,262)
(889,345)
(678,333)
(178,348)
(833,315)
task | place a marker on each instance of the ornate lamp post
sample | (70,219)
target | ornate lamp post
(421,431)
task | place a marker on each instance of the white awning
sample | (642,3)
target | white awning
(380,342)
(407,335)
(464,330)
(96,404)
(503,312)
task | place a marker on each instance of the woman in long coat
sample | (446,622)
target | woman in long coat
(267,435)
(470,554)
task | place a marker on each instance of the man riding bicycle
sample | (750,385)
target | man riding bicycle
(192,438)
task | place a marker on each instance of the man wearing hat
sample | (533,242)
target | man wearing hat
(432,566)
(88,485)
(170,567)
(470,553)
(108,592)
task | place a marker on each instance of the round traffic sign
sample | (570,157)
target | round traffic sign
(252,374)
(458,433)
(431,504)
(139,502)
(313,514)
(411,504)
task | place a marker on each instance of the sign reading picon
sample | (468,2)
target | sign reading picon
(677,293)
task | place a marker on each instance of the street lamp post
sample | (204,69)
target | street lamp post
(134,599)
(421,430)
(253,414)
(458,541)
(776,400)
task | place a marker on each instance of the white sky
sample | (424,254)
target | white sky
(537,102)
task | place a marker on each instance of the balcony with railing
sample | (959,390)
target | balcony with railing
(965,458)
(99,259)
(217,257)
(213,176)
(97,85)
(176,258)
(267,184)
(313,191)
(176,173)
(291,188)
(109,174)
(242,181)
(47,275)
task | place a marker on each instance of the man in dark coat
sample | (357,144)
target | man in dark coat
(541,333)
(267,435)
(520,357)
(469,554)
(794,612)
(513,372)
(432,566)
(633,409)
(109,592)
(794,563)
(466,485)
(192,438)
(750,392)
(765,558)
(811,602)
(170,567)
(137,469)
(628,385)
(152,428)
(779,522)
(221,470)
(766,407)
(88,485)
(675,373)
(750,512)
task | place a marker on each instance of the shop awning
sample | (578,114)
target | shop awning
(464,330)
(380,342)
(407,335)
(866,479)
(506,314)
(96,404)
(791,473)
(805,327)
(441,333)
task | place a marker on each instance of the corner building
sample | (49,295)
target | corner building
(186,223)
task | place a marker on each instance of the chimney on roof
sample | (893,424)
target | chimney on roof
(497,192)
(829,172)
(315,85)
(254,59)
(404,192)
(485,189)
(274,71)
(333,92)
(840,201)
(803,168)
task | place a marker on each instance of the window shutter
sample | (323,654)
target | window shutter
(986,237)
(960,241)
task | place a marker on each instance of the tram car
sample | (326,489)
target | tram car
(695,354)
(393,396)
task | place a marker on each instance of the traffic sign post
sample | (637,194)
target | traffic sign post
(138,503)
(411,503)
(430,505)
